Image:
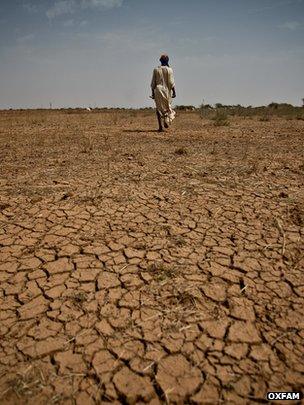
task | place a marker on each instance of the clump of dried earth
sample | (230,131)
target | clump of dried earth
(138,267)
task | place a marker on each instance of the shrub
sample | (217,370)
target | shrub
(220,119)
(205,110)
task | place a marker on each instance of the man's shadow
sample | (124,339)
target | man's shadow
(138,131)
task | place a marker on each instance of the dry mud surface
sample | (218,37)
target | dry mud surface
(138,267)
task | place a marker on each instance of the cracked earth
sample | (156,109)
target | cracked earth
(145,268)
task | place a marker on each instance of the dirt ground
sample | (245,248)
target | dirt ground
(138,267)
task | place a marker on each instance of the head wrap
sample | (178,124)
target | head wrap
(164,59)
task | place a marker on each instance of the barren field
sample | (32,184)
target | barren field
(138,267)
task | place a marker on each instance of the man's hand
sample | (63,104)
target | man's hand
(173,93)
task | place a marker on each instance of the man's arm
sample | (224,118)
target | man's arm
(172,82)
(153,83)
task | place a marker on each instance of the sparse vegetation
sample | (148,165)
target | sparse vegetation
(283,110)
(115,118)
(185,107)
(148,253)
(221,118)
(178,240)
(27,383)
(86,144)
(180,151)
(265,118)
(79,298)
(162,271)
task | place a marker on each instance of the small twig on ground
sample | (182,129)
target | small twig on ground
(149,366)
(216,211)
(192,168)
(284,244)
(5,392)
(168,391)
(280,228)
(74,375)
(118,358)
(271,246)
(244,288)
(151,317)
(282,336)
(185,328)
(75,337)
(56,398)
(42,377)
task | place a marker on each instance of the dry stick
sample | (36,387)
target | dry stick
(168,391)
(281,336)
(185,327)
(55,398)
(5,391)
(215,212)
(124,267)
(150,365)
(279,225)
(274,245)
(118,358)
(151,317)
(42,376)
(75,337)
(244,288)
(26,370)
(284,244)
(192,168)
(92,386)
(74,375)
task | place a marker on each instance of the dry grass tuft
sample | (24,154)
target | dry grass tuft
(187,299)
(162,271)
(28,383)
(296,215)
(79,298)
(181,151)
(178,241)
(115,118)
(87,144)
(265,118)
(3,206)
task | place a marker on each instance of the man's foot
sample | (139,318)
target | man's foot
(160,130)
(166,125)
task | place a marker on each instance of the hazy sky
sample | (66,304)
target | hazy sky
(102,52)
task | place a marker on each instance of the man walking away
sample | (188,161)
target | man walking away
(163,90)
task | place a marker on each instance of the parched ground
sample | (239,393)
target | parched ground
(138,267)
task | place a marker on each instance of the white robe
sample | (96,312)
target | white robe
(162,84)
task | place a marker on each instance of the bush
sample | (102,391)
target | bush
(205,110)
(185,107)
(220,119)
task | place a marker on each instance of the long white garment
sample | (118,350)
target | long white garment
(162,84)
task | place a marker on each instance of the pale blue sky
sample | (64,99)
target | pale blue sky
(102,52)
